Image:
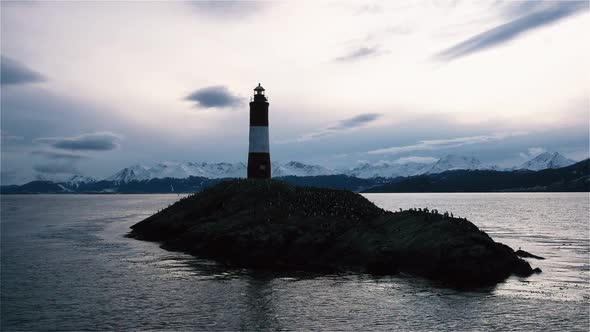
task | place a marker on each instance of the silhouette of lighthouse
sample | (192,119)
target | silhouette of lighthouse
(258,153)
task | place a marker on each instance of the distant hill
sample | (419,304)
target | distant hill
(171,185)
(343,182)
(152,186)
(35,187)
(571,178)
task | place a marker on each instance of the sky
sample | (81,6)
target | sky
(93,87)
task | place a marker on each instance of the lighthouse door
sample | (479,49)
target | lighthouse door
(262,170)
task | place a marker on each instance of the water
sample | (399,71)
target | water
(66,265)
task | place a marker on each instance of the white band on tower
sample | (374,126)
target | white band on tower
(259,139)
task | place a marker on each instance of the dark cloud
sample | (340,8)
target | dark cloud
(356,121)
(13,72)
(33,111)
(85,142)
(56,168)
(360,53)
(57,162)
(214,96)
(539,17)
(54,155)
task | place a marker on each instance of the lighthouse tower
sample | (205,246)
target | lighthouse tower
(258,154)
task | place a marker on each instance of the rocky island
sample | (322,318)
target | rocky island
(273,225)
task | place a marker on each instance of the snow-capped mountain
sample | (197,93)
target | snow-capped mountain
(384,169)
(211,171)
(71,180)
(387,169)
(76,179)
(299,169)
(179,171)
(547,160)
(394,169)
(455,162)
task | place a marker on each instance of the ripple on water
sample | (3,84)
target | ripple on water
(66,265)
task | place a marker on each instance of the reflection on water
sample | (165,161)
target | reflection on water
(66,265)
(552,225)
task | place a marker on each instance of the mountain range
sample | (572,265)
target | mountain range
(546,160)
(194,176)
(382,169)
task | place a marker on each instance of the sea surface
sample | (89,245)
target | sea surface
(67,265)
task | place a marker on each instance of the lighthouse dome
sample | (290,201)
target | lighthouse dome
(259,88)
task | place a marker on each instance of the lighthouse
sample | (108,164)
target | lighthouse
(258,153)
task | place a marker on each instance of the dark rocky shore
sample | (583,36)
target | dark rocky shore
(273,225)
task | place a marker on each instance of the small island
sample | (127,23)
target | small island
(270,224)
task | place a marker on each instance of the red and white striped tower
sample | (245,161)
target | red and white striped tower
(258,154)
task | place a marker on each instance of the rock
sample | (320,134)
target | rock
(270,224)
(522,253)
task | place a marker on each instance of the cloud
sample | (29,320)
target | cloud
(214,96)
(532,152)
(355,121)
(359,53)
(519,8)
(445,143)
(229,9)
(57,162)
(416,159)
(56,168)
(4,136)
(13,72)
(402,161)
(340,155)
(536,151)
(508,31)
(342,125)
(369,9)
(87,142)
(55,155)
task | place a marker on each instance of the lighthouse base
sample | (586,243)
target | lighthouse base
(259,165)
